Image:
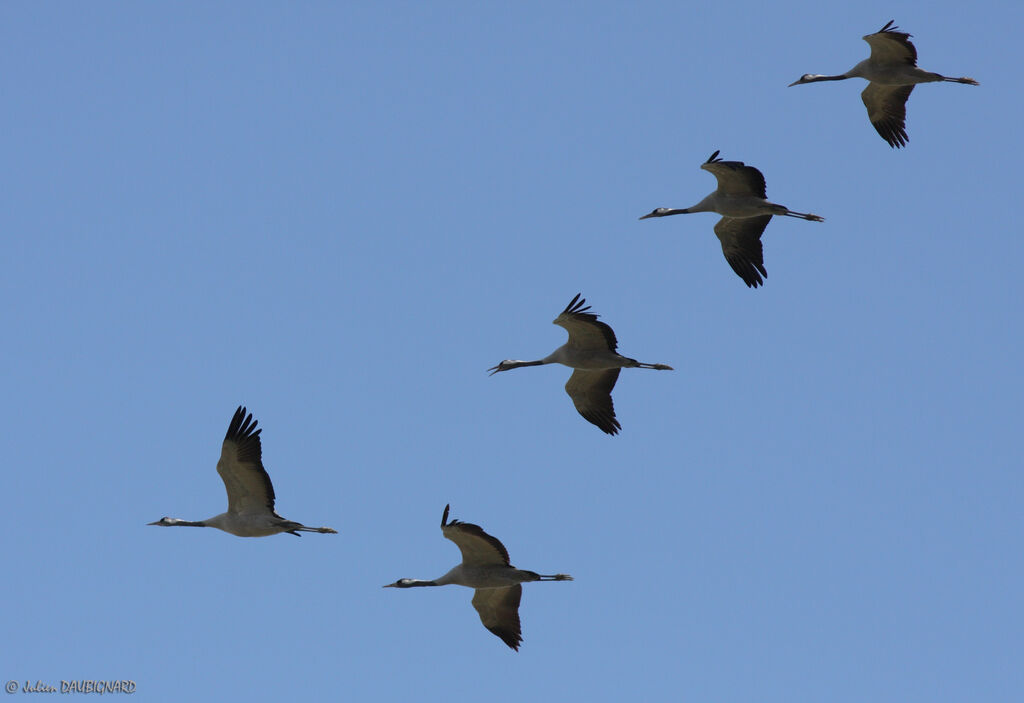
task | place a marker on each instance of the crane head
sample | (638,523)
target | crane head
(806,78)
(656,212)
(176,521)
(408,583)
(164,522)
(503,366)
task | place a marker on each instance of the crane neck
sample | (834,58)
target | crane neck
(519,364)
(415,583)
(178,522)
(817,79)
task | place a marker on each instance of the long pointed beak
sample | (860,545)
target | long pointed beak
(388,585)
(796,82)
(644,217)
(153,523)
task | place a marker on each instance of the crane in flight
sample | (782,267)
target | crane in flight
(891,71)
(485,568)
(250,492)
(741,200)
(590,352)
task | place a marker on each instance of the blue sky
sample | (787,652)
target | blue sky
(340,215)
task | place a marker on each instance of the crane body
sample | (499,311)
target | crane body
(485,568)
(251,496)
(742,201)
(892,72)
(591,353)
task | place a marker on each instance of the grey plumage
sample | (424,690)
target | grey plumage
(741,198)
(591,351)
(892,72)
(250,492)
(486,568)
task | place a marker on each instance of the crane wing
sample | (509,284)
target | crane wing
(478,548)
(241,467)
(736,178)
(591,393)
(889,45)
(499,612)
(741,244)
(585,330)
(887,110)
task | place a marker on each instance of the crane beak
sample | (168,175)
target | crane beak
(796,82)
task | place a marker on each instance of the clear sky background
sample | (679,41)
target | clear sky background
(341,214)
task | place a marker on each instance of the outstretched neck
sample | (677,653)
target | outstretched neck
(517,364)
(178,522)
(665,212)
(816,79)
(411,583)
(509,364)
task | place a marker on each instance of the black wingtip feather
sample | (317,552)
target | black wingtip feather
(608,426)
(576,305)
(714,157)
(512,639)
(749,271)
(242,426)
(891,28)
